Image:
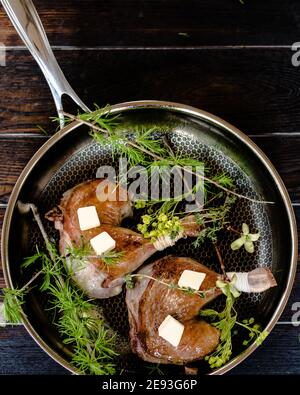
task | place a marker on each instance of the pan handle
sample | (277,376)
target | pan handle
(27,23)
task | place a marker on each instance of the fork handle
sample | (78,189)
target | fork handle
(27,23)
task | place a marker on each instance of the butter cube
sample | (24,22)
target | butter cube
(88,217)
(191,279)
(171,330)
(103,243)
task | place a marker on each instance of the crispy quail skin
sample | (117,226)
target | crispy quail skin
(96,278)
(149,302)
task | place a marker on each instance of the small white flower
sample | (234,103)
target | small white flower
(247,240)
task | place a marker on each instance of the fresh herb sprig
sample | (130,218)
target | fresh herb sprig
(159,224)
(135,150)
(13,300)
(212,220)
(77,320)
(246,239)
(254,331)
(148,148)
(145,148)
(225,321)
(112,258)
(84,251)
(130,283)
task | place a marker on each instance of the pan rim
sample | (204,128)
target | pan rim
(187,110)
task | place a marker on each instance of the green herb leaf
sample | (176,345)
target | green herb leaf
(238,243)
(249,246)
(129,281)
(245,229)
(225,321)
(13,299)
(253,236)
(77,319)
(112,257)
(31,259)
(245,240)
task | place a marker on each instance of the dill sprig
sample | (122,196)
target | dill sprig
(80,254)
(76,318)
(141,147)
(100,118)
(13,299)
(135,146)
(112,258)
(28,261)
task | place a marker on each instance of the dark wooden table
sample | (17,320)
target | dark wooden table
(230,59)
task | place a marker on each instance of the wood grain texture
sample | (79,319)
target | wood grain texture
(17,345)
(284,154)
(159,22)
(278,355)
(254,89)
(293,304)
(2,282)
(233,60)
(14,154)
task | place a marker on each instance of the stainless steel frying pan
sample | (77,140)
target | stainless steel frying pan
(70,156)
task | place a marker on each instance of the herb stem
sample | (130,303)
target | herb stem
(38,220)
(248,328)
(231,229)
(170,285)
(220,260)
(31,280)
(158,157)
(91,125)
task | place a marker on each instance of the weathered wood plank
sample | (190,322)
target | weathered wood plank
(14,153)
(21,355)
(256,90)
(2,282)
(159,23)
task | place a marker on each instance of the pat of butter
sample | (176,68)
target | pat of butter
(171,330)
(88,217)
(191,279)
(103,243)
